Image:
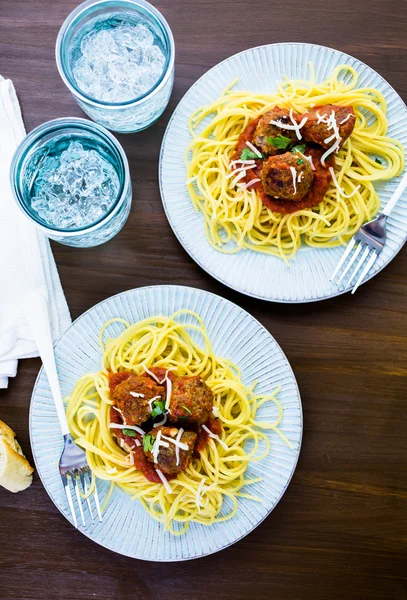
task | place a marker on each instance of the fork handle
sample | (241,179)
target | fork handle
(36,311)
(396,196)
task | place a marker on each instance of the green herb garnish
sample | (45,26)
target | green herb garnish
(186,408)
(299,148)
(300,161)
(379,162)
(158,408)
(148,442)
(129,432)
(280,141)
(247,153)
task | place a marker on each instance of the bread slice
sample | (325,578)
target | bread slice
(15,470)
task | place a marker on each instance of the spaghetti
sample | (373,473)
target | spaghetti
(235,216)
(209,489)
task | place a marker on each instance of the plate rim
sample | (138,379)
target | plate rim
(161,185)
(290,369)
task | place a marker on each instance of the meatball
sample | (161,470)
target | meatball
(265,130)
(317,131)
(135,408)
(167,456)
(287,176)
(191,400)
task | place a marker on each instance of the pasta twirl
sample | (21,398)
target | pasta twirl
(209,489)
(236,219)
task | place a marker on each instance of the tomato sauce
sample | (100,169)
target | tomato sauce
(319,186)
(116,378)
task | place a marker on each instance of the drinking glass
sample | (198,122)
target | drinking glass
(136,113)
(36,159)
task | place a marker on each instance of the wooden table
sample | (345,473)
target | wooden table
(339,533)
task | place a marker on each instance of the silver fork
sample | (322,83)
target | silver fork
(73,467)
(367,244)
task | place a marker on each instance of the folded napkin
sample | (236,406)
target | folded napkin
(26,261)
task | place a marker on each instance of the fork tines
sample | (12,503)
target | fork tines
(80,482)
(367,256)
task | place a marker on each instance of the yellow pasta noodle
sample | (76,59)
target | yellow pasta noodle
(236,219)
(214,481)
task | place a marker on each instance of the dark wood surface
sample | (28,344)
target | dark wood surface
(340,530)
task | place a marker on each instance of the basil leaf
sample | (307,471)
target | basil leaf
(129,432)
(247,153)
(148,442)
(186,408)
(300,161)
(299,148)
(280,141)
(158,408)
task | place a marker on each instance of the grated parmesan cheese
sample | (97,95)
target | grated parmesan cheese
(329,139)
(156,448)
(309,159)
(215,437)
(166,374)
(238,177)
(294,176)
(249,161)
(198,497)
(321,118)
(251,182)
(169,391)
(178,438)
(254,149)
(333,148)
(164,480)
(151,374)
(332,124)
(346,118)
(120,413)
(239,170)
(133,427)
(176,442)
(136,395)
(294,127)
(163,420)
(338,187)
(150,402)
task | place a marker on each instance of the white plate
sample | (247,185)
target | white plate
(255,274)
(126,527)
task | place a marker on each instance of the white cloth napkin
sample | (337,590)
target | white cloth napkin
(26,261)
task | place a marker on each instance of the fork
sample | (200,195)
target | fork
(73,466)
(367,243)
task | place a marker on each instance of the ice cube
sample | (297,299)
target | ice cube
(142,35)
(90,42)
(72,193)
(118,64)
